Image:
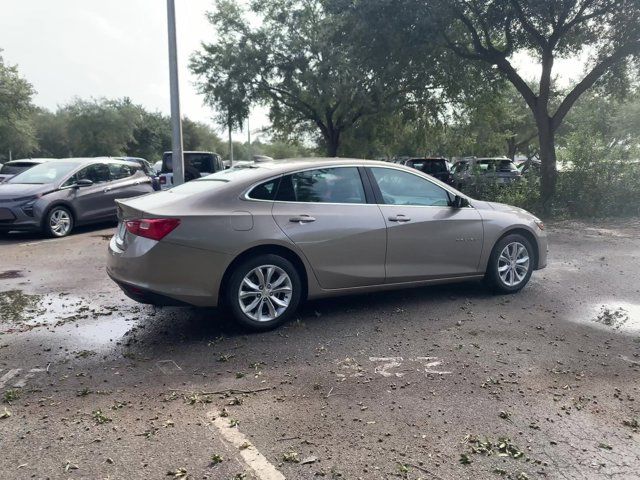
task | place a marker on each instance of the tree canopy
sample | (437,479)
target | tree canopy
(296,61)
(16,127)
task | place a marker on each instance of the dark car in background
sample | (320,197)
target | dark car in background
(196,165)
(14,167)
(482,171)
(55,196)
(438,168)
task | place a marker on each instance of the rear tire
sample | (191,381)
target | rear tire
(264,292)
(58,222)
(511,264)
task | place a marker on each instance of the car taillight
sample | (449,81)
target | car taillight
(153,228)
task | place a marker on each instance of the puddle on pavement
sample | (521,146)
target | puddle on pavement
(617,316)
(8,274)
(88,324)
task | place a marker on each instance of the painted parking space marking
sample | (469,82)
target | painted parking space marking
(23,381)
(428,365)
(8,376)
(254,460)
(168,367)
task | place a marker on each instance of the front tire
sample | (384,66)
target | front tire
(58,222)
(511,264)
(264,292)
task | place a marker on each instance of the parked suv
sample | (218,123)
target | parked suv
(474,171)
(196,165)
(439,168)
(58,195)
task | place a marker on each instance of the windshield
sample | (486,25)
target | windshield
(49,172)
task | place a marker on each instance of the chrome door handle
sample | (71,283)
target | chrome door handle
(107,189)
(399,218)
(302,219)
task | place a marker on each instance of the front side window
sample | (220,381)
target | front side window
(97,173)
(324,185)
(403,188)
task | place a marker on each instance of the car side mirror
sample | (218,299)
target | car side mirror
(459,202)
(84,182)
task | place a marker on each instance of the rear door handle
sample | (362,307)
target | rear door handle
(107,189)
(399,218)
(302,219)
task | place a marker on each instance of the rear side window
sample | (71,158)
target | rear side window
(118,172)
(324,185)
(265,191)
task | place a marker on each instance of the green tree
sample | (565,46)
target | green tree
(296,62)
(490,32)
(17,132)
(199,136)
(100,127)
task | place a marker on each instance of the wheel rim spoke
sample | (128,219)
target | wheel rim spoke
(513,264)
(262,300)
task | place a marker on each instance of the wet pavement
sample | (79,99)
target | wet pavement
(446,382)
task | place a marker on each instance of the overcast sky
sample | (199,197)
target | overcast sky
(118,48)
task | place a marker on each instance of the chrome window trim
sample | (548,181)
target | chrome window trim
(424,176)
(245,194)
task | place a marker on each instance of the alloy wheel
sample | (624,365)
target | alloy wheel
(60,222)
(265,293)
(513,264)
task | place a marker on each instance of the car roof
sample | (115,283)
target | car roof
(287,165)
(192,151)
(426,159)
(35,161)
(89,160)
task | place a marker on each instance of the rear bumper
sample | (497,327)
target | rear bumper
(163,273)
(141,295)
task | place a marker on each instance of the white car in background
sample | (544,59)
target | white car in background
(14,167)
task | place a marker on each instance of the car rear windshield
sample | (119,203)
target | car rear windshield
(496,165)
(49,172)
(215,180)
(202,162)
(430,166)
(15,168)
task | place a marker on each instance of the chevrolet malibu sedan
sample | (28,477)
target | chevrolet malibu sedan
(261,239)
(55,196)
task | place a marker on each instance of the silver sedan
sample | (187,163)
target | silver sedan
(262,238)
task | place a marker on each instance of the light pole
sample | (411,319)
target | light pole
(177,158)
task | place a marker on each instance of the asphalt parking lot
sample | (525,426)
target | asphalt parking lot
(446,382)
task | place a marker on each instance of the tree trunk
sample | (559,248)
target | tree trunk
(333,143)
(511,147)
(549,174)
